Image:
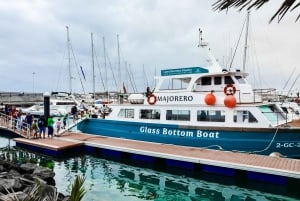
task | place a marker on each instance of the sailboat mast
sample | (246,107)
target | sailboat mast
(93,67)
(69,60)
(119,63)
(105,68)
(246,42)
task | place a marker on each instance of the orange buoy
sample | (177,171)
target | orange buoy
(210,99)
(230,101)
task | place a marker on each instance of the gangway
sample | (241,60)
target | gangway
(11,124)
(24,130)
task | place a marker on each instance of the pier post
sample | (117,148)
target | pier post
(46,105)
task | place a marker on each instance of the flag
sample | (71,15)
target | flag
(82,73)
(124,89)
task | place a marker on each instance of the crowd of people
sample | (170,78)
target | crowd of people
(93,111)
(40,127)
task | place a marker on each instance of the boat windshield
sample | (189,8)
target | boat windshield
(240,79)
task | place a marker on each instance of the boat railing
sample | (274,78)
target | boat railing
(240,97)
(14,125)
(266,94)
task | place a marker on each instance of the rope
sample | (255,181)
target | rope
(269,145)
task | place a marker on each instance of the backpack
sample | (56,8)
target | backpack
(40,122)
(73,110)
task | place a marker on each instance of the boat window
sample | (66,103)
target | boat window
(126,113)
(211,115)
(149,114)
(240,116)
(65,103)
(272,113)
(217,80)
(173,84)
(206,80)
(178,115)
(240,79)
(229,80)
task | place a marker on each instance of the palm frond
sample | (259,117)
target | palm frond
(78,191)
(249,4)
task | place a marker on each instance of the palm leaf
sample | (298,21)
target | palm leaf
(78,190)
(249,4)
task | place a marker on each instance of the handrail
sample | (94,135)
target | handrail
(11,124)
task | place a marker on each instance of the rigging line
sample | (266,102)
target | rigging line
(98,65)
(153,80)
(237,45)
(246,41)
(60,70)
(286,83)
(76,65)
(256,60)
(112,72)
(134,84)
(145,75)
(293,84)
(130,77)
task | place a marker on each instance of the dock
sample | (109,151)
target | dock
(248,166)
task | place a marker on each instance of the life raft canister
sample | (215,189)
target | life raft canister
(229,89)
(152,99)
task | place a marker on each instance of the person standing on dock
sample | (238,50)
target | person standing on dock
(58,126)
(42,126)
(35,129)
(83,109)
(64,126)
(74,112)
(29,119)
(50,124)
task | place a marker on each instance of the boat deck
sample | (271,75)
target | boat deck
(285,167)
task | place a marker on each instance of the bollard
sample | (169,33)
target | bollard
(46,105)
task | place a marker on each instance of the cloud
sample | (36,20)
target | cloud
(154,34)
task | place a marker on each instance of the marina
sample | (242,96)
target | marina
(150,100)
(206,122)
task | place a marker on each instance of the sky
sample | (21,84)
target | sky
(150,35)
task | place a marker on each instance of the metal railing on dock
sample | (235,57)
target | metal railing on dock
(15,125)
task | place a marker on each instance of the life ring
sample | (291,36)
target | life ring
(152,99)
(229,89)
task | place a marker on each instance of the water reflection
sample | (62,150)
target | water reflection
(109,180)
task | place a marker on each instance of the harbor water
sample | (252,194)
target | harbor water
(111,180)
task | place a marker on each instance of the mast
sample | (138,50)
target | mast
(119,63)
(119,69)
(246,42)
(105,68)
(69,60)
(93,67)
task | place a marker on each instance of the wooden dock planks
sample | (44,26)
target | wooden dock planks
(242,161)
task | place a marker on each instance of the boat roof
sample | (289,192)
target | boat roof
(197,71)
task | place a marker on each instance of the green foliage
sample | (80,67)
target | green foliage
(37,194)
(78,191)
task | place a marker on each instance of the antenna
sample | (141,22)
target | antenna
(214,65)
(201,43)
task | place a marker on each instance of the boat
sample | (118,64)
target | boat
(60,105)
(205,107)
